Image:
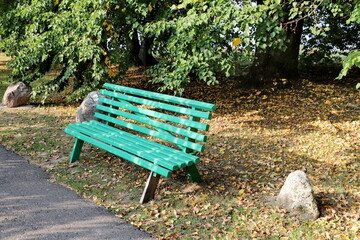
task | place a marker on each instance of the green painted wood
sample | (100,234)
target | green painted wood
(144,149)
(180,156)
(154,123)
(160,105)
(162,97)
(172,139)
(193,174)
(136,149)
(165,133)
(152,154)
(192,171)
(151,113)
(111,115)
(75,154)
(196,119)
(137,160)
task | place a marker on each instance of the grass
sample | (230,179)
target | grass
(256,139)
(4,73)
(54,98)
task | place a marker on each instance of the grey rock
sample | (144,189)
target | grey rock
(17,94)
(296,195)
(87,108)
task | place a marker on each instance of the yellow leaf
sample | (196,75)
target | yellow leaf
(150,7)
(56,2)
(111,72)
(236,41)
(107,60)
(117,7)
(108,27)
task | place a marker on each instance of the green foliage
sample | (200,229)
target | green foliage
(69,35)
(353,59)
(355,15)
(194,45)
(329,33)
(88,41)
(203,38)
(5,6)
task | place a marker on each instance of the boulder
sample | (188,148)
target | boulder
(17,94)
(87,108)
(296,195)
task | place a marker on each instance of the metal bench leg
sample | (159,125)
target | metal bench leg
(193,174)
(150,188)
(75,155)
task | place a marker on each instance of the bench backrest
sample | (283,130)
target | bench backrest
(170,118)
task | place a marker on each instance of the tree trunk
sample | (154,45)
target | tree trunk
(145,56)
(81,73)
(273,66)
(140,53)
(134,47)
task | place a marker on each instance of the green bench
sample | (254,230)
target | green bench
(156,131)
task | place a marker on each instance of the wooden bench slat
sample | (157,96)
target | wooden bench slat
(172,139)
(139,161)
(115,139)
(154,123)
(188,159)
(107,137)
(163,97)
(144,148)
(150,152)
(160,105)
(151,113)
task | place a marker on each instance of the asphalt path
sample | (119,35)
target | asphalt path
(32,207)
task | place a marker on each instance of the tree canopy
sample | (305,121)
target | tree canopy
(94,41)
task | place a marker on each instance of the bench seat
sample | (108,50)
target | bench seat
(145,153)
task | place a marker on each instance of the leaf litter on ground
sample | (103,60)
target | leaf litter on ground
(257,137)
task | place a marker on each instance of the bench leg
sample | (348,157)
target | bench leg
(75,155)
(193,174)
(150,188)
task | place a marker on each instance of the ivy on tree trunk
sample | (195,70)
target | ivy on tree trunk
(273,66)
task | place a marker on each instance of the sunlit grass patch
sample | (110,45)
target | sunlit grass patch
(3,60)
(4,75)
(36,132)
